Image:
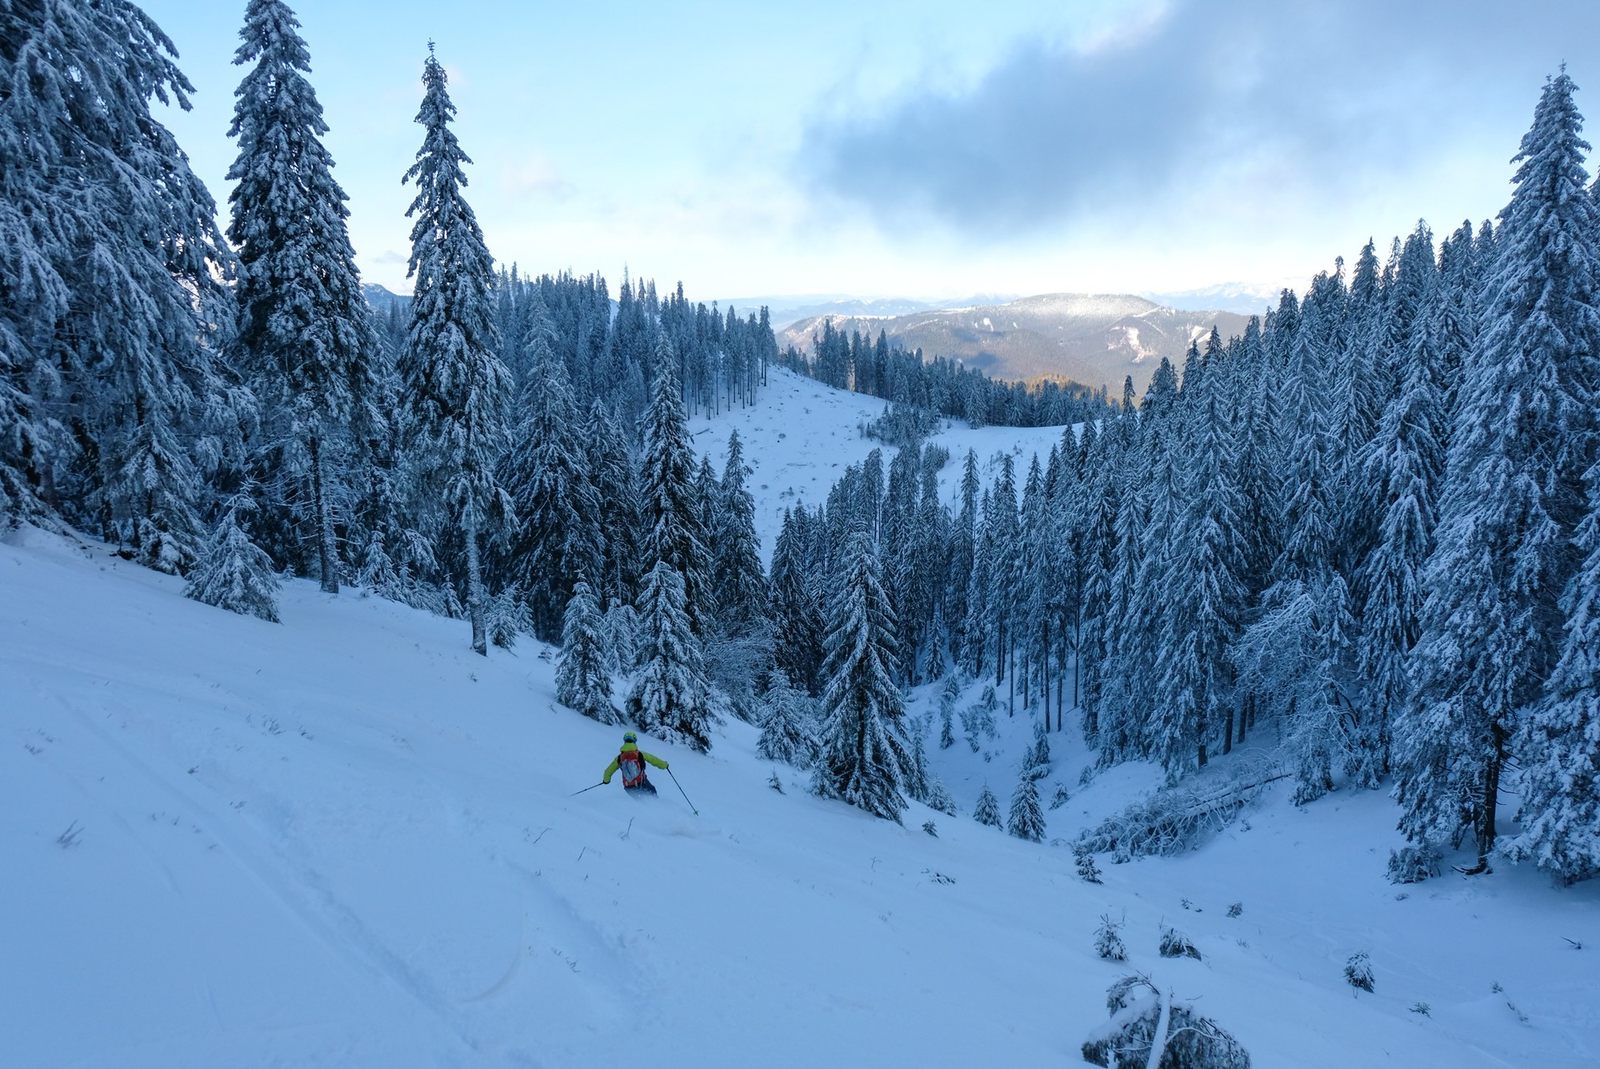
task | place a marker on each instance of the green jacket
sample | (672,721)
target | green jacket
(628,747)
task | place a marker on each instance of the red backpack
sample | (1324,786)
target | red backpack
(631,765)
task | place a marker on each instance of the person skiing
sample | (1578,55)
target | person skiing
(630,762)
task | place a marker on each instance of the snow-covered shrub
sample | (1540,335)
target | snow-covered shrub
(987,810)
(1088,871)
(774,782)
(1413,864)
(1422,1008)
(1358,971)
(1061,797)
(1236,909)
(1174,944)
(939,798)
(1150,1027)
(1175,819)
(1108,939)
(929,827)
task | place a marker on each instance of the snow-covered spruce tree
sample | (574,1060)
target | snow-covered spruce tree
(670,694)
(110,398)
(864,759)
(1296,655)
(557,533)
(918,783)
(610,471)
(799,628)
(1523,438)
(1558,741)
(582,681)
(1036,763)
(788,726)
(978,720)
(458,388)
(1204,599)
(948,696)
(742,596)
(987,811)
(673,532)
(233,573)
(302,329)
(1026,820)
(1403,465)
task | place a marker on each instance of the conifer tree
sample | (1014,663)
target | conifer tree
(1524,437)
(302,329)
(1026,820)
(1558,740)
(800,628)
(670,695)
(233,573)
(582,681)
(788,726)
(1404,464)
(948,696)
(546,475)
(112,405)
(610,472)
(987,810)
(674,534)
(458,388)
(742,588)
(865,760)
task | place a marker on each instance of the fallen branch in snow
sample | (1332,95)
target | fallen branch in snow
(1176,819)
(1151,1029)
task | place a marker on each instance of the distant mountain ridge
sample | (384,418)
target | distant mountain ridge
(1094,339)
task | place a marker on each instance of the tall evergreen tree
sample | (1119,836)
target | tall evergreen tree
(302,329)
(582,682)
(546,473)
(459,389)
(674,534)
(669,695)
(610,471)
(1524,437)
(111,399)
(742,588)
(865,758)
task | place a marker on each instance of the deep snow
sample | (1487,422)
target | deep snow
(347,841)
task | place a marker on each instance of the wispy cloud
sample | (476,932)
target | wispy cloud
(1249,106)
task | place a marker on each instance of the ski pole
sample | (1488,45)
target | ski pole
(591,787)
(681,791)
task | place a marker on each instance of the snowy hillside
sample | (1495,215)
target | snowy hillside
(347,841)
(801,436)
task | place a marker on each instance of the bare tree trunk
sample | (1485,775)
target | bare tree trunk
(327,548)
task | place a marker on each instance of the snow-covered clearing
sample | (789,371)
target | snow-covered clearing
(347,841)
(800,436)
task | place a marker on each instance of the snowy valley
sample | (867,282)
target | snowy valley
(347,840)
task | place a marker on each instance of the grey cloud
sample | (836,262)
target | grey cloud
(1286,98)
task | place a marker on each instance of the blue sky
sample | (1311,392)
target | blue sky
(926,149)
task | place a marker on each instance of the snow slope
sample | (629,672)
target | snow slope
(347,841)
(800,436)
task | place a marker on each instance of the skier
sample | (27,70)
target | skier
(631,763)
